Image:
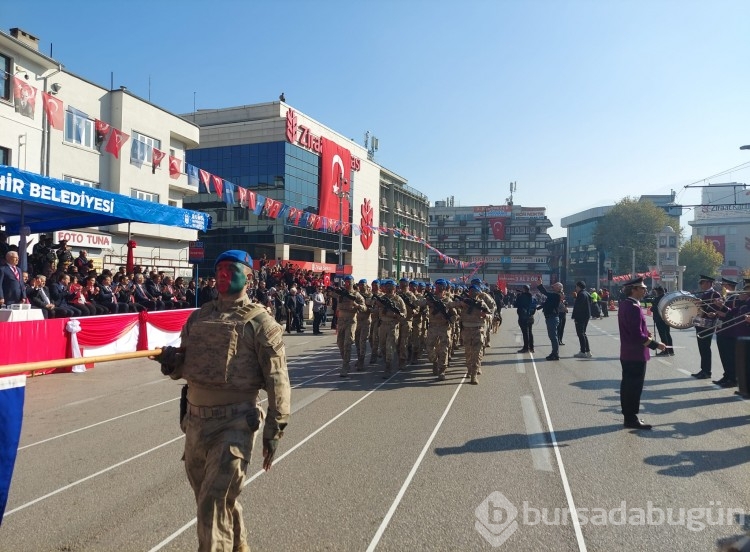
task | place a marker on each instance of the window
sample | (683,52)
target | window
(80,181)
(79,129)
(145,196)
(172,203)
(4,156)
(4,78)
(142,147)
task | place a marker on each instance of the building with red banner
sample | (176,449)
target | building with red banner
(279,184)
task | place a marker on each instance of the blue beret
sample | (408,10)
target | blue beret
(441,282)
(362,281)
(235,256)
(412,282)
(388,282)
(476,281)
(348,277)
(404,280)
(420,284)
(376,281)
(475,287)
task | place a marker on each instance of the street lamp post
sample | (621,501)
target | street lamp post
(341,194)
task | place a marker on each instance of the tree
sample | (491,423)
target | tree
(699,257)
(632,224)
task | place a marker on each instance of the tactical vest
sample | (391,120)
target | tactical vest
(219,352)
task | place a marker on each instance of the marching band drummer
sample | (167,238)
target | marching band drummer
(705,323)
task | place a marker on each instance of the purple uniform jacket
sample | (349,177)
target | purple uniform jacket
(633,331)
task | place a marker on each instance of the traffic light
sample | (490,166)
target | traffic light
(609,274)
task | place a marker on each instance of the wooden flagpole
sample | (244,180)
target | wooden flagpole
(65,362)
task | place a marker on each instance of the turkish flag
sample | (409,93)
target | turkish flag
(102,129)
(54,110)
(498,228)
(205,185)
(156,156)
(719,243)
(116,140)
(174,167)
(218,185)
(335,164)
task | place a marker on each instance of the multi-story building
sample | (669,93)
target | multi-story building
(724,220)
(505,245)
(78,153)
(586,262)
(277,152)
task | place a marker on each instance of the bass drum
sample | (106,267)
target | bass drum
(678,309)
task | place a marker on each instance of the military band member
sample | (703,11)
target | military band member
(705,324)
(231,349)
(635,342)
(727,333)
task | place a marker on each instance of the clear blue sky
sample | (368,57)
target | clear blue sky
(579,102)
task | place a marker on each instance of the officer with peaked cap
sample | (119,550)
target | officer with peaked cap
(635,342)
(705,324)
(231,349)
(726,340)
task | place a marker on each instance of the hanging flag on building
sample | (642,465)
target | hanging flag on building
(192,174)
(335,179)
(205,184)
(138,153)
(229,193)
(24,97)
(117,139)
(175,165)
(218,186)
(101,129)
(498,228)
(79,119)
(157,156)
(55,111)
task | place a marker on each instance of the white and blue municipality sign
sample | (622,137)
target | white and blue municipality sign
(51,204)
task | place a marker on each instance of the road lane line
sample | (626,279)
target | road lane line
(558,457)
(540,456)
(100,472)
(257,474)
(407,482)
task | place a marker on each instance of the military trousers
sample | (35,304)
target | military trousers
(389,331)
(345,326)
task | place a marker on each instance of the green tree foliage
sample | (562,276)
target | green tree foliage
(699,257)
(632,224)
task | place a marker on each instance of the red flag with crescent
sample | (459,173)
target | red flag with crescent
(117,139)
(335,178)
(498,228)
(175,167)
(54,110)
(218,185)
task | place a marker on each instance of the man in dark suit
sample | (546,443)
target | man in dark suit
(635,342)
(141,295)
(208,292)
(40,297)
(581,316)
(58,293)
(12,286)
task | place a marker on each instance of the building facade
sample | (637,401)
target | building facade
(277,152)
(72,147)
(724,220)
(504,245)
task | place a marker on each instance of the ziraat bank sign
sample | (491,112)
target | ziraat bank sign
(303,137)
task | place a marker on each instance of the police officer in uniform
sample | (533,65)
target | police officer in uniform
(635,342)
(231,349)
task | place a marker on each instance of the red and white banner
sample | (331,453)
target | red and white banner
(116,140)
(55,111)
(498,228)
(719,242)
(335,174)
(175,166)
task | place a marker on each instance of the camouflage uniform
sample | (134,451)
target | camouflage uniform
(473,314)
(347,309)
(439,334)
(374,305)
(232,350)
(362,332)
(416,323)
(389,328)
(404,335)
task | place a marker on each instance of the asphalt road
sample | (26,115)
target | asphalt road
(406,463)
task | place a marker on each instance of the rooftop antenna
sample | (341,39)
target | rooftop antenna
(509,200)
(373,145)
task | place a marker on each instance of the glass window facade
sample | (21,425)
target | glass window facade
(279,170)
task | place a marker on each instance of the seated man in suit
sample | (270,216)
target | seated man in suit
(143,297)
(39,297)
(58,294)
(154,289)
(12,286)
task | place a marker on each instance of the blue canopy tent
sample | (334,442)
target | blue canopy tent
(47,204)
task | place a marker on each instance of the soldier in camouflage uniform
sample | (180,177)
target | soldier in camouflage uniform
(362,333)
(392,311)
(439,329)
(350,303)
(375,325)
(404,335)
(231,349)
(473,314)
(421,288)
(416,322)
(490,302)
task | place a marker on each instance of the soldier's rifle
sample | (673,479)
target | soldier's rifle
(474,303)
(439,305)
(388,304)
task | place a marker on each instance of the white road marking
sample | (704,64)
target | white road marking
(407,482)
(540,456)
(566,486)
(257,474)
(683,371)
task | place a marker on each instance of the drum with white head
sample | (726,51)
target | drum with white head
(678,309)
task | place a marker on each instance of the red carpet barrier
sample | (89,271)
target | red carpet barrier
(108,334)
